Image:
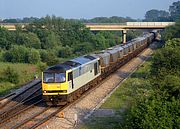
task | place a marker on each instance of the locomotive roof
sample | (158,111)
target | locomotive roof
(58,68)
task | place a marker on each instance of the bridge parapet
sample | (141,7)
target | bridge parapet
(149,23)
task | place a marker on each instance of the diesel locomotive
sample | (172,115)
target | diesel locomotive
(65,82)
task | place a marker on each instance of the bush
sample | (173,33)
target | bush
(28,39)
(65,52)
(83,48)
(11,75)
(154,113)
(52,59)
(42,66)
(33,56)
(1,55)
(16,54)
(167,60)
(43,55)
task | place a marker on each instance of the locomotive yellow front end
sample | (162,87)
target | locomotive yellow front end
(55,85)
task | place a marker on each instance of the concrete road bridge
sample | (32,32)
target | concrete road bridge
(127,26)
(109,26)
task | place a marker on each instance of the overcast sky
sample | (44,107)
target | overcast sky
(80,8)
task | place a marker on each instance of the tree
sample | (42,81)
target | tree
(51,41)
(43,55)
(109,38)
(172,32)
(28,39)
(52,58)
(83,48)
(5,38)
(156,15)
(33,56)
(100,42)
(65,52)
(153,113)
(174,10)
(166,61)
(16,54)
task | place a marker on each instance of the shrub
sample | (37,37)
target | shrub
(153,113)
(65,52)
(16,54)
(28,39)
(43,55)
(167,59)
(42,66)
(11,75)
(52,59)
(33,56)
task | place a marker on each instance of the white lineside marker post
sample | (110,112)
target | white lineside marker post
(35,77)
(75,119)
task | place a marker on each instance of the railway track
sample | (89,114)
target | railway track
(12,100)
(17,103)
(19,108)
(38,118)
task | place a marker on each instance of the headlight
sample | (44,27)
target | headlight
(44,91)
(64,91)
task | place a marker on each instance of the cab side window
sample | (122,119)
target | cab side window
(70,76)
(95,68)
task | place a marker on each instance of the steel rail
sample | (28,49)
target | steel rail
(10,100)
(19,112)
(10,110)
(31,118)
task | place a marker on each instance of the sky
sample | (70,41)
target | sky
(86,9)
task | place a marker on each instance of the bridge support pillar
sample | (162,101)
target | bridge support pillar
(124,32)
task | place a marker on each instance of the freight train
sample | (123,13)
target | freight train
(65,82)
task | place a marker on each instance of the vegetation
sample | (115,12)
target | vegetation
(14,75)
(156,15)
(161,15)
(113,19)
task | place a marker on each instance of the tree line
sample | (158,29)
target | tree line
(155,15)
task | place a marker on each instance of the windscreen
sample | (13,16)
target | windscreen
(54,77)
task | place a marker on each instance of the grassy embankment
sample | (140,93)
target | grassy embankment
(25,72)
(122,99)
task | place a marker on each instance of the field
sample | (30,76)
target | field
(25,72)
(122,99)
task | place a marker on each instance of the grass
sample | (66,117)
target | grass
(125,94)
(101,123)
(123,98)
(26,73)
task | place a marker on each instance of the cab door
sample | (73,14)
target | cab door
(70,80)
